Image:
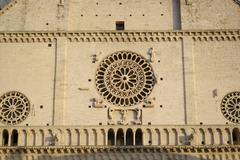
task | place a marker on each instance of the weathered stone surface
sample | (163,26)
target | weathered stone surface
(170,90)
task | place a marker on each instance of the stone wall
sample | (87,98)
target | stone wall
(210,14)
(42,15)
(193,71)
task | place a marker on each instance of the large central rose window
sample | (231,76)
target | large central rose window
(125,78)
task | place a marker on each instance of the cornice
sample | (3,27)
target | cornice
(114,36)
(115,149)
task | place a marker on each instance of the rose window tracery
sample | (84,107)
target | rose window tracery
(230,107)
(14,108)
(125,78)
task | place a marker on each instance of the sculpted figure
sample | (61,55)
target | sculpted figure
(139,114)
(110,116)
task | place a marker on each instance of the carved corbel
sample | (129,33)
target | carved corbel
(151,54)
(148,103)
(96,103)
(95,57)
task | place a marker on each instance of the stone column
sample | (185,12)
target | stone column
(145,141)
(9,137)
(78,137)
(38,140)
(208,140)
(106,137)
(98,138)
(154,138)
(188,80)
(171,137)
(60,81)
(134,139)
(164,137)
(115,137)
(82,138)
(1,137)
(125,137)
(216,137)
(91,137)
(74,137)
(29,138)
(21,138)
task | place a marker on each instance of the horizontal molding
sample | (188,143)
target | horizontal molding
(113,36)
(120,149)
(116,127)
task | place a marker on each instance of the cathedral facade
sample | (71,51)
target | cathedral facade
(120,79)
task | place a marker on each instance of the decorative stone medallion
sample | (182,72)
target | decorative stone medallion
(124,78)
(14,108)
(230,107)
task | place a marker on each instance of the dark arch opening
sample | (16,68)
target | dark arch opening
(236,136)
(14,138)
(5,137)
(139,137)
(111,141)
(120,137)
(129,137)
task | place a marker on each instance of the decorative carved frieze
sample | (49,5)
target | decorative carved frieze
(122,116)
(112,36)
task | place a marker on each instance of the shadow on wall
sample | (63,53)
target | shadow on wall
(4,3)
(113,156)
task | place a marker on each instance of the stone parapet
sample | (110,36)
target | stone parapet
(135,135)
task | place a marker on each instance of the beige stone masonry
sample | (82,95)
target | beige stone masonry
(129,36)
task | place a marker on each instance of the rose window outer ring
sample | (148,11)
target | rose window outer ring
(125,78)
(14,108)
(230,107)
